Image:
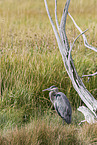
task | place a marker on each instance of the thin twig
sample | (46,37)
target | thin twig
(57,23)
(71,46)
(79,36)
(84,37)
(90,75)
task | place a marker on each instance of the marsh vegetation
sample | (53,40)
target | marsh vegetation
(31,62)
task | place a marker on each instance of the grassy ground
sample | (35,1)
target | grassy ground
(31,62)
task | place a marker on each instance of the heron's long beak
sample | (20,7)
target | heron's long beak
(48,89)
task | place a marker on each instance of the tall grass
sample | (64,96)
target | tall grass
(31,61)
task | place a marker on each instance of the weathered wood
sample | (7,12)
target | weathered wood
(89,117)
(65,51)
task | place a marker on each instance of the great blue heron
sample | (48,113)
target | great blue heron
(61,103)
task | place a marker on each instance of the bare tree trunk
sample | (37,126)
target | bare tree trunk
(65,51)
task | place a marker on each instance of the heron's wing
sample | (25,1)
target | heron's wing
(57,109)
(62,105)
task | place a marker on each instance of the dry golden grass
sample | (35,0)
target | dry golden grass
(43,133)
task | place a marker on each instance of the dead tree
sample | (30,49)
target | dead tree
(65,50)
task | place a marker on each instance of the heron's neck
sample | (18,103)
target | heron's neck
(52,96)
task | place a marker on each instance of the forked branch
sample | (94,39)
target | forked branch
(65,51)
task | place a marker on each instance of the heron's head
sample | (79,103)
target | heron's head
(52,88)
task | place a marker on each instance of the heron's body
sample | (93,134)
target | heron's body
(61,103)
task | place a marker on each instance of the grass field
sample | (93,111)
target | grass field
(31,62)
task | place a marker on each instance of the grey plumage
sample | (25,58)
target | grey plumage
(61,103)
